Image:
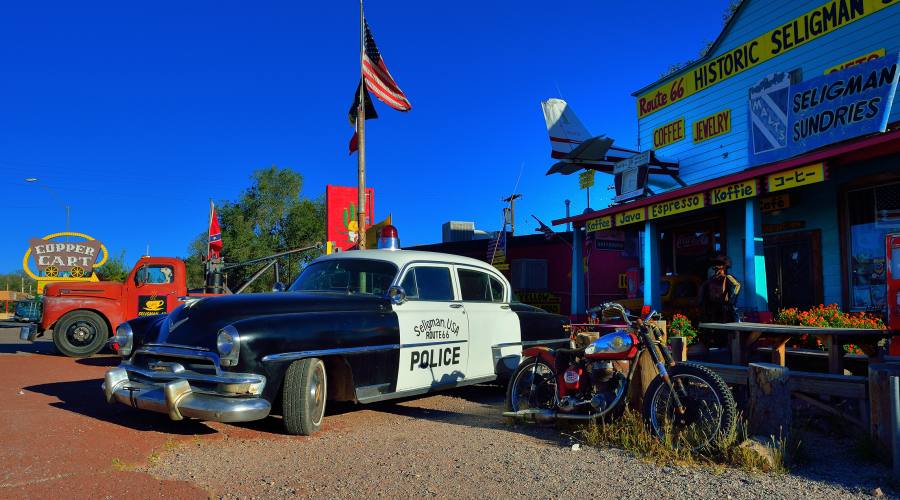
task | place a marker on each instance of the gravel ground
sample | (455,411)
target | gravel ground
(60,435)
(457,445)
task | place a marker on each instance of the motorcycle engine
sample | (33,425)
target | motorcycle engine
(596,386)
(606,384)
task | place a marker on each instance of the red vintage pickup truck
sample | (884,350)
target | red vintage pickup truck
(82,316)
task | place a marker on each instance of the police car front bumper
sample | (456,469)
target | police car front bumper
(178,399)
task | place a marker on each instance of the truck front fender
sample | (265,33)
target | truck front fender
(57,307)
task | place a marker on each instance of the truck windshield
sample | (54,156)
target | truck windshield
(371,277)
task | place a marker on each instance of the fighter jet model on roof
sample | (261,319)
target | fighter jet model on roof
(576,149)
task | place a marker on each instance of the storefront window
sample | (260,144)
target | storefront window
(686,250)
(873,214)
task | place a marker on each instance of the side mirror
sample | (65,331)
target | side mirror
(278,287)
(397,295)
(140,277)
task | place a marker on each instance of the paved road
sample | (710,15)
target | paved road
(59,435)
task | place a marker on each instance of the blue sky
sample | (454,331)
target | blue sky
(137,113)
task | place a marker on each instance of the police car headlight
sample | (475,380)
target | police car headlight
(228,344)
(123,341)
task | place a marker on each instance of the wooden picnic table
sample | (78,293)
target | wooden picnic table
(742,337)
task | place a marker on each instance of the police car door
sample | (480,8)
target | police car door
(434,332)
(491,322)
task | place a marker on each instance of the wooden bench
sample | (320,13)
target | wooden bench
(806,386)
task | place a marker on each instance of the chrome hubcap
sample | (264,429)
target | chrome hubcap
(316,406)
(81,333)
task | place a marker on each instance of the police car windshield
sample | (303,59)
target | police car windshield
(372,277)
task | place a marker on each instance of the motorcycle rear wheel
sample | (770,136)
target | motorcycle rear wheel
(519,390)
(710,408)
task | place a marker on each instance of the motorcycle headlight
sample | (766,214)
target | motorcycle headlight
(228,344)
(123,341)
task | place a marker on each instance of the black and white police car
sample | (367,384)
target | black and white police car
(360,326)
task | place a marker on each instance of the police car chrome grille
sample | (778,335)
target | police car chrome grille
(174,364)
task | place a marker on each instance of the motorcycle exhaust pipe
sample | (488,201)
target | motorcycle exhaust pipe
(539,415)
(545,416)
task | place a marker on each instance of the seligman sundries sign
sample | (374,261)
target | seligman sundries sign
(788,119)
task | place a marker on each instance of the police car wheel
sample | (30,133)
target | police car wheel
(303,396)
(80,334)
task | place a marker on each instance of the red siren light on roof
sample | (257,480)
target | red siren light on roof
(388,240)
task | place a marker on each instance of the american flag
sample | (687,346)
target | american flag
(378,78)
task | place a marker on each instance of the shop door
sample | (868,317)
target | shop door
(794,270)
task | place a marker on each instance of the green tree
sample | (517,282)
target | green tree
(17,281)
(114,269)
(270,216)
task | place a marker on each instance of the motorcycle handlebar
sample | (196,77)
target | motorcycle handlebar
(616,307)
(620,309)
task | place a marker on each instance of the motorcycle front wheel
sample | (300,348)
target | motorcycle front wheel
(533,385)
(710,410)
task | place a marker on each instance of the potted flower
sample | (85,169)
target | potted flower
(681,326)
(829,316)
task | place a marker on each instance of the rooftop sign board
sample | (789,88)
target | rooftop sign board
(65,256)
(789,119)
(631,176)
(826,18)
(341,224)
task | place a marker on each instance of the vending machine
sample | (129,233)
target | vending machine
(892,257)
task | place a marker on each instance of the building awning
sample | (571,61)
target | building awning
(686,199)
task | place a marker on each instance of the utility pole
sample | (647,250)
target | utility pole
(568,224)
(511,199)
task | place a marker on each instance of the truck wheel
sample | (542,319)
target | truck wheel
(80,334)
(303,396)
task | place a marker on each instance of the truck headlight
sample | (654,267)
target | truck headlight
(228,344)
(123,341)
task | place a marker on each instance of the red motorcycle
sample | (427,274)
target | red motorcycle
(687,401)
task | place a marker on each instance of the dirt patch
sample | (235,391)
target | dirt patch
(60,436)
(457,445)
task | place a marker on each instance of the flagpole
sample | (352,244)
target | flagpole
(361,138)
(208,234)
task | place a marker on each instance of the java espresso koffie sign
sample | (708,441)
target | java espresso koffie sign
(790,119)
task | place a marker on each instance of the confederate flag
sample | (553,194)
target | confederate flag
(215,235)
